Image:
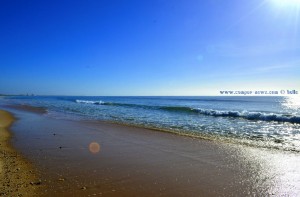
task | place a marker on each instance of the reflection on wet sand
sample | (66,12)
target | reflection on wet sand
(270,172)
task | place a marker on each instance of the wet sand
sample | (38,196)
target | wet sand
(90,158)
(17,177)
(23,107)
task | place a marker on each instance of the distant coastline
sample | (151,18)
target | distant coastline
(17,95)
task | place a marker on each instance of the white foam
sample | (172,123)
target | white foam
(90,102)
(251,115)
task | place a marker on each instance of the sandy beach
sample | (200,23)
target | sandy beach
(150,98)
(17,177)
(92,158)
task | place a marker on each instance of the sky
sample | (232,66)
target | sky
(149,47)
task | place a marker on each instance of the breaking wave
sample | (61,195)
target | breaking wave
(252,115)
(90,102)
(260,116)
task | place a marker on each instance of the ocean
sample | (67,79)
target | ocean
(265,122)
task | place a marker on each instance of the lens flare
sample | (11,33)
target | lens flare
(94,147)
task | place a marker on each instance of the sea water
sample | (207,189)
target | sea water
(267,122)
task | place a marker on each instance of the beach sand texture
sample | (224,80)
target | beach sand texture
(91,158)
(17,178)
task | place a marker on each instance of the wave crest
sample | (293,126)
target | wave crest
(259,116)
(251,115)
(90,102)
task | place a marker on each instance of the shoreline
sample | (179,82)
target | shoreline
(95,158)
(78,158)
(17,175)
(270,145)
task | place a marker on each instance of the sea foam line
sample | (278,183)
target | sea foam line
(259,116)
(90,102)
(251,115)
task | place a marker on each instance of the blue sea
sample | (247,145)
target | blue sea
(266,122)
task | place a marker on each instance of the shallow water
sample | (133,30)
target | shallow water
(270,122)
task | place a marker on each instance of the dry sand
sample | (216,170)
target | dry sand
(17,178)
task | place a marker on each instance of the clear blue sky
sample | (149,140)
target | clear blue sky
(148,47)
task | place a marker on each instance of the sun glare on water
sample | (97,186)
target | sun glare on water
(292,102)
